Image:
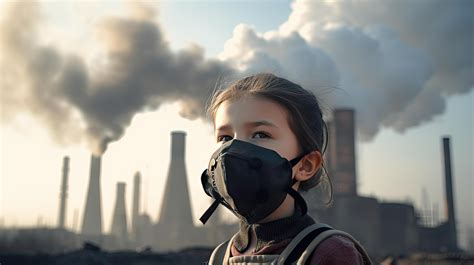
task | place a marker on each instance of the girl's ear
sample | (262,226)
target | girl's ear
(308,166)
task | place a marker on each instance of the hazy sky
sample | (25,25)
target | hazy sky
(408,93)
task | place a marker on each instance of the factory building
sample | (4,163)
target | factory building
(382,227)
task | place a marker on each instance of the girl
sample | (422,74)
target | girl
(272,139)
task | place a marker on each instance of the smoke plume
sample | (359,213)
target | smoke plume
(141,73)
(397,62)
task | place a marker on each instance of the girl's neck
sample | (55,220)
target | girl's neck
(286,209)
(252,238)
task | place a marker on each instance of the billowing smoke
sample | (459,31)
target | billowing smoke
(140,73)
(397,62)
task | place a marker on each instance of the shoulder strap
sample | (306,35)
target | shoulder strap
(294,249)
(221,253)
(217,256)
(324,235)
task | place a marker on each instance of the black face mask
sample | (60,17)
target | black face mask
(250,180)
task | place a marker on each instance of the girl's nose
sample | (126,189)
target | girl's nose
(242,137)
(245,138)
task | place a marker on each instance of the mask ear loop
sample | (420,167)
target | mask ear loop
(293,193)
(299,200)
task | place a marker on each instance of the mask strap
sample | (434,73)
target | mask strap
(293,193)
(207,214)
(299,199)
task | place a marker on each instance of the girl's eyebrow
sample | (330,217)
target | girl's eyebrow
(224,128)
(248,124)
(260,123)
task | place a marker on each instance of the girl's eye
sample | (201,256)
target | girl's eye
(259,135)
(224,138)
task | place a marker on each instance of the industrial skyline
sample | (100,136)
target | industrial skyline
(408,94)
(174,229)
(369,219)
(176,190)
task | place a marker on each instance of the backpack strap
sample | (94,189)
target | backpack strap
(299,243)
(326,234)
(217,256)
(221,253)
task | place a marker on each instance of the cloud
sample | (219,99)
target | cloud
(396,61)
(140,73)
(290,56)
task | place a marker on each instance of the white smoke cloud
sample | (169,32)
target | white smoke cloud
(397,61)
(290,55)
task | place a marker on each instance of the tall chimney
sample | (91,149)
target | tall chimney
(136,205)
(63,196)
(343,152)
(330,151)
(176,207)
(119,219)
(92,222)
(451,222)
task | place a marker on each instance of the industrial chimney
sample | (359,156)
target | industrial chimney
(119,218)
(330,152)
(136,205)
(92,221)
(176,207)
(451,221)
(343,152)
(63,196)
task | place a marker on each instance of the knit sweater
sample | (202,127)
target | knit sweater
(273,237)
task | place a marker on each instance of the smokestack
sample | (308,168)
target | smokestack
(136,205)
(92,222)
(343,152)
(330,152)
(176,208)
(119,219)
(63,196)
(451,222)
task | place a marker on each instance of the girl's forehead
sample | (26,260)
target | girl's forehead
(246,110)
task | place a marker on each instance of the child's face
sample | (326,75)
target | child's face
(259,121)
(264,122)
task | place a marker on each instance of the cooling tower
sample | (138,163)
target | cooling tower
(92,222)
(136,205)
(451,221)
(343,152)
(176,207)
(63,196)
(119,218)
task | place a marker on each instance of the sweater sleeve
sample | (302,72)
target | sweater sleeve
(336,250)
